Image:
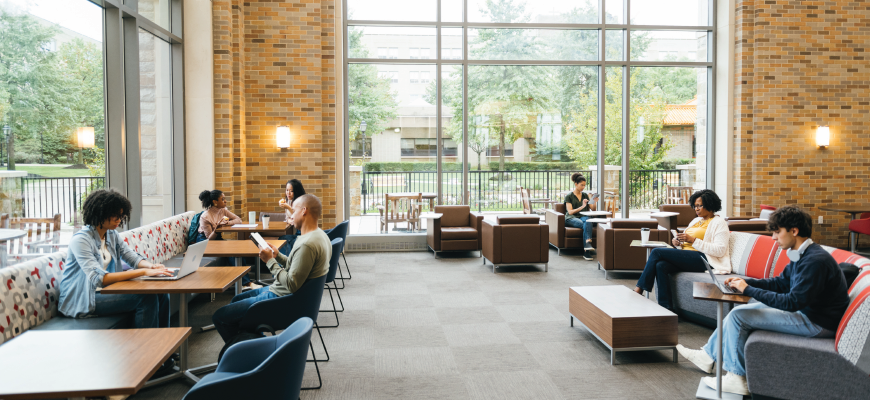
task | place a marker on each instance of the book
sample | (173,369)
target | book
(259,241)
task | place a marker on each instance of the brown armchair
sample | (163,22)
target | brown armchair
(614,250)
(758,227)
(560,236)
(457,229)
(520,240)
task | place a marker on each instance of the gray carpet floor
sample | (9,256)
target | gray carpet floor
(416,327)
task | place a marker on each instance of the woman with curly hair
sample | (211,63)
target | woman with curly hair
(706,237)
(94,261)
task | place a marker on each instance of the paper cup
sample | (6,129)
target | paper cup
(265,221)
(644,235)
(252,217)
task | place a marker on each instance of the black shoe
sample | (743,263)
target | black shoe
(167,368)
(587,255)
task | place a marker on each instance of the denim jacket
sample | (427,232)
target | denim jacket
(83,272)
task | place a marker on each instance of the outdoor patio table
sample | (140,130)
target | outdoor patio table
(426,196)
(5,236)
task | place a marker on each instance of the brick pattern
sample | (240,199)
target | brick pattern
(798,65)
(274,64)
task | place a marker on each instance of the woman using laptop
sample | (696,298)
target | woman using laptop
(706,237)
(292,191)
(215,216)
(94,261)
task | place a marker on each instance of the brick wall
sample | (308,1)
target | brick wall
(799,64)
(274,64)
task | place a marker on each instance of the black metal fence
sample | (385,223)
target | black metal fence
(45,197)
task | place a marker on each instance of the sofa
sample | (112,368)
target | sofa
(457,229)
(520,240)
(30,290)
(564,237)
(788,366)
(614,240)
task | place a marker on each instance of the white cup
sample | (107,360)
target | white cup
(252,217)
(265,221)
(644,235)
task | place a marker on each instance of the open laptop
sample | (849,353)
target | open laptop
(723,288)
(192,259)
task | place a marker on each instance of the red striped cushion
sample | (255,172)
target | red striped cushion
(862,281)
(779,263)
(852,335)
(751,254)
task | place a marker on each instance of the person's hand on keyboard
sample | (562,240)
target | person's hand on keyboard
(738,284)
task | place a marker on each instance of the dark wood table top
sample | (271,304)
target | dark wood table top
(274,226)
(58,364)
(204,280)
(847,208)
(649,244)
(709,291)
(236,248)
(618,301)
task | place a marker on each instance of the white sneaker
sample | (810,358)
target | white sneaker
(251,286)
(698,357)
(731,383)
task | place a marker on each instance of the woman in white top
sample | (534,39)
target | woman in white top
(706,237)
(292,191)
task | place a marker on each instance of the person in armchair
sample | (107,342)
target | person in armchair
(576,202)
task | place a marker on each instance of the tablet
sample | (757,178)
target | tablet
(259,241)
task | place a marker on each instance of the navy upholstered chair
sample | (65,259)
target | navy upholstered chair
(340,231)
(337,246)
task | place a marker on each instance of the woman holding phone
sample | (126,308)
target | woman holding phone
(576,202)
(707,238)
(292,191)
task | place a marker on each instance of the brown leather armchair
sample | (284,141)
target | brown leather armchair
(520,240)
(564,237)
(458,229)
(679,222)
(614,250)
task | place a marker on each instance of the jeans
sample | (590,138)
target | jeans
(287,247)
(582,222)
(744,319)
(151,310)
(231,261)
(663,262)
(226,319)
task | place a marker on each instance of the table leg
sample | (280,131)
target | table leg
(239,282)
(719,349)
(648,250)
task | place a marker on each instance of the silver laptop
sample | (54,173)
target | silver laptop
(192,259)
(723,288)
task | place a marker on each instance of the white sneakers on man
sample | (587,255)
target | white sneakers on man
(731,383)
(698,357)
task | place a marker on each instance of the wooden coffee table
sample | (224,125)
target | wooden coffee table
(622,319)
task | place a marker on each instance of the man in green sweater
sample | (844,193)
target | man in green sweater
(309,259)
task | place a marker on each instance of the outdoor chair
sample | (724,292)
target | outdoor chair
(679,194)
(529,202)
(457,229)
(268,368)
(399,208)
(43,237)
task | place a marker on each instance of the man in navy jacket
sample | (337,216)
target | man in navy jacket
(807,299)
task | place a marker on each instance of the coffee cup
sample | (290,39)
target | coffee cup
(644,235)
(265,221)
(252,217)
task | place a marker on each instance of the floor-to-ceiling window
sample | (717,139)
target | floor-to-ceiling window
(90,98)
(474,101)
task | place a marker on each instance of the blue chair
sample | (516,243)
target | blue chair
(269,368)
(337,246)
(340,231)
(276,314)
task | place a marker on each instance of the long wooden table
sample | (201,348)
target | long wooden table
(204,280)
(86,363)
(238,249)
(275,228)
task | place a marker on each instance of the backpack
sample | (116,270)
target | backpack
(193,231)
(240,337)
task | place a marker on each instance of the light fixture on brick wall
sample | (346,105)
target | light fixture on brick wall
(282,137)
(823,136)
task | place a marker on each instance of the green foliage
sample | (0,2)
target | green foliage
(672,163)
(410,166)
(536,166)
(370,98)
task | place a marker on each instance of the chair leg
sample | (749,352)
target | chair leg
(321,342)
(319,380)
(339,277)
(334,308)
(346,266)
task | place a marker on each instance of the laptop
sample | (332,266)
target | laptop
(723,288)
(192,259)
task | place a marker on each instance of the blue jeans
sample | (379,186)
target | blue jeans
(582,222)
(226,319)
(744,319)
(663,262)
(151,310)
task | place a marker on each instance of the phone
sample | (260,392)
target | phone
(674,232)
(595,196)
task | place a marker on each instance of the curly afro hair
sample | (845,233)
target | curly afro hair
(104,204)
(709,199)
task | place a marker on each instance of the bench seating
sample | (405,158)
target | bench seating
(786,366)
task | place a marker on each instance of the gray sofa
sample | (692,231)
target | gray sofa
(782,366)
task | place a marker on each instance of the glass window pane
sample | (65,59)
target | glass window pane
(451,134)
(615,45)
(391,10)
(396,42)
(668,133)
(155,108)
(670,12)
(615,10)
(157,11)
(532,44)
(451,43)
(668,45)
(451,10)
(52,117)
(540,11)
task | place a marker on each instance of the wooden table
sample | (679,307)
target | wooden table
(853,209)
(623,320)
(276,228)
(709,292)
(238,249)
(426,196)
(204,280)
(106,362)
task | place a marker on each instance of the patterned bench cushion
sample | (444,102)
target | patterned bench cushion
(751,254)
(29,294)
(161,240)
(852,335)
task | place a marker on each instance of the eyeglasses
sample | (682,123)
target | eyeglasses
(698,206)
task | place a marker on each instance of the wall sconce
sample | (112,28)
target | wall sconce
(823,137)
(85,137)
(282,137)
